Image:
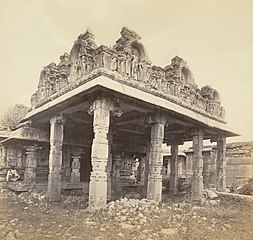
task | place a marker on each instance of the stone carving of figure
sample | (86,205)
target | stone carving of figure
(148,74)
(102,59)
(134,64)
(222,112)
(139,70)
(74,72)
(83,63)
(78,68)
(113,64)
(128,64)
(56,84)
(120,64)
(89,64)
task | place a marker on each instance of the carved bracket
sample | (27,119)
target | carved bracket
(57,119)
(105,103)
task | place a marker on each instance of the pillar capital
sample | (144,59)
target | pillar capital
(107,104)
(174,142)
(57,119)
(197,132)
(157,117)
(218,138)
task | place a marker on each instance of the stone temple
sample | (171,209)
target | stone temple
(101,110)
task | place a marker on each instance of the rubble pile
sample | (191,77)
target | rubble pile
(247,188)
(168,220)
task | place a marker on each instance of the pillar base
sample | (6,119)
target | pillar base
(54,189)
(97,194)
(197,188)
(154,190)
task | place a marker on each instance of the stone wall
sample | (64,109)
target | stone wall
(239,163)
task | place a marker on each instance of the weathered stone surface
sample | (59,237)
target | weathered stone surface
(221,164)
(197,180)
(126,61)
(55,158)
(100,109)
(75,166)
(30,164)
(154,187)
(174,168)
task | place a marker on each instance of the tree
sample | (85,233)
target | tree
(13,116)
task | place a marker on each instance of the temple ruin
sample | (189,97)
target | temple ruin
(102,114)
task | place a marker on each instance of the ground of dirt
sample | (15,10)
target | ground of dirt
(29,216)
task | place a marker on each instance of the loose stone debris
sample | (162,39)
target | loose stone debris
(29,216)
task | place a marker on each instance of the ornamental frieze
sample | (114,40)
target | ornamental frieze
(128,62)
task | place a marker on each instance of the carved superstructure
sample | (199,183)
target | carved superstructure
(127,62)
(100,117)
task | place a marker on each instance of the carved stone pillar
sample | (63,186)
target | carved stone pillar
(146,170)
(174,168)
(30,165)
(55,158)
(188,166)
(197,179)
(68,164)
(221,164)
(75,166)
(100,150)
(109,166)
(3,154)
(154,188)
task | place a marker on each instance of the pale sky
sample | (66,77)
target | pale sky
(215,37)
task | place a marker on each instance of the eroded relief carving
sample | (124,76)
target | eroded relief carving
(126,61)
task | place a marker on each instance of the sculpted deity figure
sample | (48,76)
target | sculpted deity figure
(113,64)
(128,64)
(83,62)
(74,72)
(134,64)
(78,68)
(120,64)
(102,60)
(147,78)
(140,70)
(89,65)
